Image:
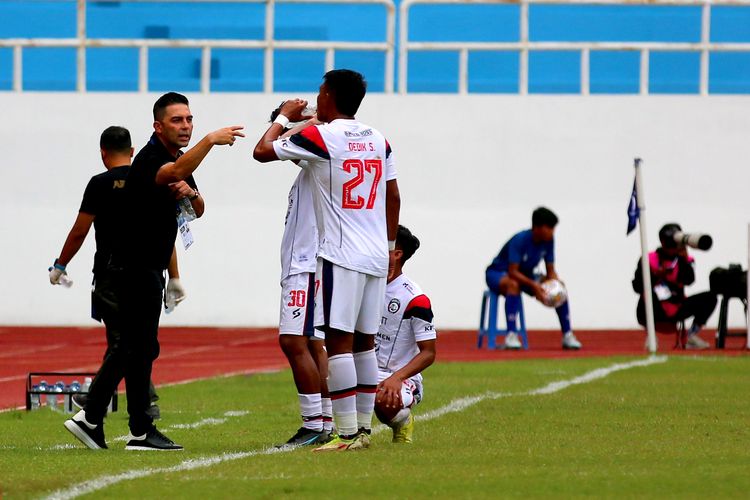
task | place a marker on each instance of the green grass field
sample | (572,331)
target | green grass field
(679,428)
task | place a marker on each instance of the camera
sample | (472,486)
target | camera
(729,281)
(671,236)
(692,240)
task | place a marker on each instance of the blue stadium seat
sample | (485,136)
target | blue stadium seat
(488,322)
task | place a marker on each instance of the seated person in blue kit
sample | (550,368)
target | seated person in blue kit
(512,272)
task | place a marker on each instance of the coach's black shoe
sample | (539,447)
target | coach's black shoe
(89,434)
(153,440)
(79,400)
(304,437)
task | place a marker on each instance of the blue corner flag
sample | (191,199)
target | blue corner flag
(633,212)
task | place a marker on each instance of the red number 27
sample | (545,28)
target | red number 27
(357,165)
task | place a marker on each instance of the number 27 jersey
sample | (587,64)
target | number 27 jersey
(350,163)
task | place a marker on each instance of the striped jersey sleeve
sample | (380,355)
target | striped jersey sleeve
(420,316)
(306,145)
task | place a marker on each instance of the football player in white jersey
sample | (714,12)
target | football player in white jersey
(300,342)
(357,203)
(405,344)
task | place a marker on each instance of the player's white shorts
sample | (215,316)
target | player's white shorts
(297,305)
(348,300)
(411,389)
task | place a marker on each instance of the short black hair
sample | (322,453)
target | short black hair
(166,100)
(666,234)
(115,139)
(543,216)
(348,87)
(275,113)
(406,242)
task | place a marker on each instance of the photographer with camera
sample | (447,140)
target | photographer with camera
(671,270)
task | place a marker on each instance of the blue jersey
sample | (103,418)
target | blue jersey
(522,250)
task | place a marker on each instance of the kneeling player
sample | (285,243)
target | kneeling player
(405,344)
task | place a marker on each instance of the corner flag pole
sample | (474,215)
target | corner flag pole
(747,341)
(645,267)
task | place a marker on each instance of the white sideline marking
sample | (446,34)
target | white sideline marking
(195,425)
(461,404)
(452,407)
(236,413)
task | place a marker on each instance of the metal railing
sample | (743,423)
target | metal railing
(269,44)
(523,46)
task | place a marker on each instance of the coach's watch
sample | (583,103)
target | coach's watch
(196,195)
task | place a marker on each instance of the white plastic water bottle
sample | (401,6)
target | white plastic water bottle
(86,384)
(51,398)
(35,398)
(186,209)
(310,111)
(58,388)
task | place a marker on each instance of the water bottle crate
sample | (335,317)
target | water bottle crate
(56,390)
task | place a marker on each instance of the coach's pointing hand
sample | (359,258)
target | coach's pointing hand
(226,135)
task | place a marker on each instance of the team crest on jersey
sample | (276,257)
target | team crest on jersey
(393,306)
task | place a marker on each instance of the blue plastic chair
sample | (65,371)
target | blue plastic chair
(488,322)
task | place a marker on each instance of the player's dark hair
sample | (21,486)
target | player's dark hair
(543,217)
(348,88)
(275,113)
(167,100)
(666,234)
(115,139)
(406,242)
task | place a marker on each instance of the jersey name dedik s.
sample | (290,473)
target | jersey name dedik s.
(351,163)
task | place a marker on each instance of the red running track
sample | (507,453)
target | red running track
(191,353)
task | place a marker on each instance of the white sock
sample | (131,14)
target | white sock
(366,364)
(342,383)
(400,419)
(311,408)
(327,414)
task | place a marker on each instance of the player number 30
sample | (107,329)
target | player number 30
(297,298)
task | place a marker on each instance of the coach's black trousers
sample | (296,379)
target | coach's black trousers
(129,301)
(699,306)
(111,327)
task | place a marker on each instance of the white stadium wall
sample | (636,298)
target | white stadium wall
(471,170)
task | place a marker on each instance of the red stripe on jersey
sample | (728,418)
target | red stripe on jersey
(343,394)
(313,134)
(419,301)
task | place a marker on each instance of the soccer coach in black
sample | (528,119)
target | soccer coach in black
(142,254)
